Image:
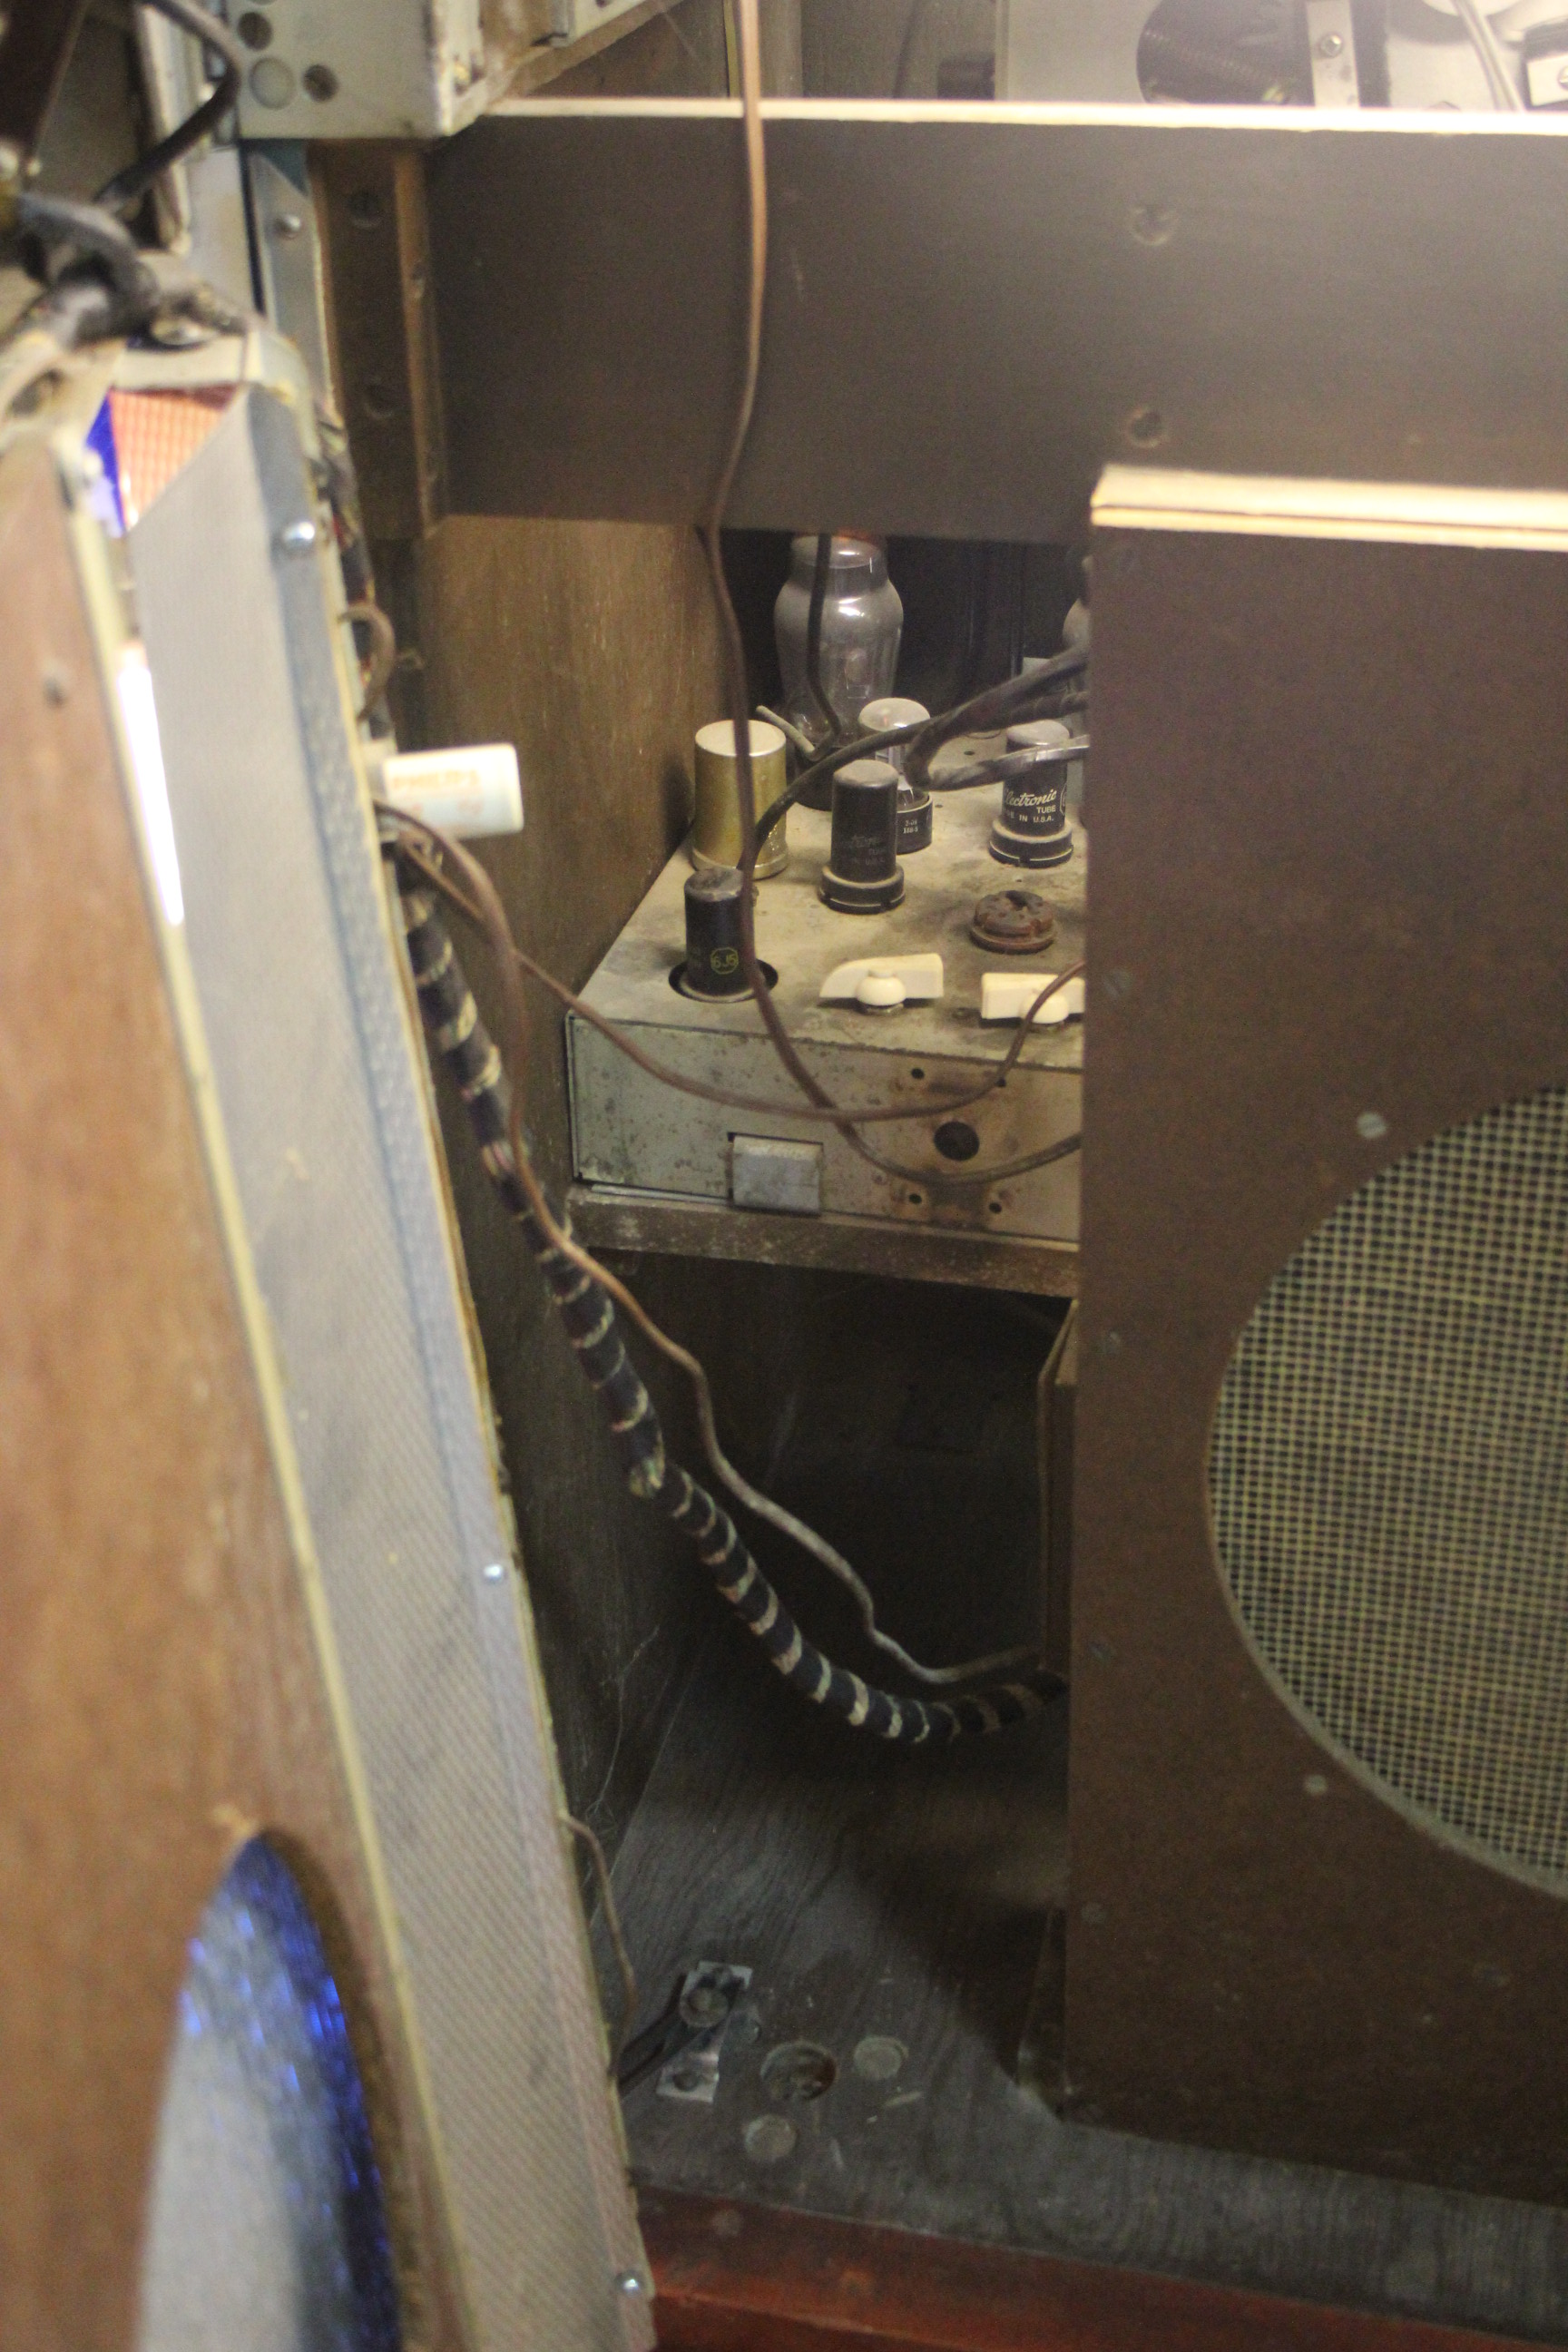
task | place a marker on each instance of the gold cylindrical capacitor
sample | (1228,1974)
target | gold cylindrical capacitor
(716,835)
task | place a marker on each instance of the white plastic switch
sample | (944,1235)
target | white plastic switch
(1007,996)
(471,792)
(881,984)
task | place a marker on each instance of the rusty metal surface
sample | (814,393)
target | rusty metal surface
(632,1131)
(606,1218)
(1026,293)
(1322,892)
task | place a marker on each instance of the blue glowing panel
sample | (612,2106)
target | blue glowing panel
(266,2231)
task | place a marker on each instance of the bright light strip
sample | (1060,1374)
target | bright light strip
(140,713)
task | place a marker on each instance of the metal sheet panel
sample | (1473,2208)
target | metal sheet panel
(629,1131)
(321,1098)
(972,310)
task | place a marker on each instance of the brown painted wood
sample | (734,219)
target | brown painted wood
(743,2278)
(161,1693)
(1321,886)
(370,202)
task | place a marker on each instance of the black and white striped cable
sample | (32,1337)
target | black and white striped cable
(452,1021)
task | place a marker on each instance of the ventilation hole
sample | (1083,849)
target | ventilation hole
(321,82)
(798,2071)
(366,209)
(254,30)
(271,83)
(956,1141)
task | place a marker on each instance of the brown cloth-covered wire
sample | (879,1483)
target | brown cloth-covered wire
(452,1021)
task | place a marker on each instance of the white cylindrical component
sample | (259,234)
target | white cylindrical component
(469,790)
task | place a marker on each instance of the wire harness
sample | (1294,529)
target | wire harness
(588,1314)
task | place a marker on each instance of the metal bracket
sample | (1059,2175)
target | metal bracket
(288,261)
(707,2001)
(1331,39)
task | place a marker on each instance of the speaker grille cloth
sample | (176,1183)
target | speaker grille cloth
(1389,1481)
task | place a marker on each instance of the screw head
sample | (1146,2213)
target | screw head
(1562,76)
(287,225)
(1372,1127)
(297,538)
(1332,45)
(1153,223)
(495,1570)
(628,2283)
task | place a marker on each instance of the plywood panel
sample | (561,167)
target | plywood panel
(161,1691)
(592,647)
(1305,962)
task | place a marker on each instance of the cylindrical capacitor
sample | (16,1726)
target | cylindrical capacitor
(863,876)
(1034,828)
(716,833)
(914,808)
(714,896)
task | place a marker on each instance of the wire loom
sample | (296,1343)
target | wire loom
(452,1020)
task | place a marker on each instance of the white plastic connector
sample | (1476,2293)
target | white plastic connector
(881,984)
(472,790)
(1007,996)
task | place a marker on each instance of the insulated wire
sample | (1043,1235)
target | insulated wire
(749,43)
(610,1910)
(797,735)
(877,1114)
(498,931)
(1494,63)
(203,25)
(383,652)
(820,571)
(973,717)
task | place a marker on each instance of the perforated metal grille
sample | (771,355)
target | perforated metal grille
(1389,1480)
